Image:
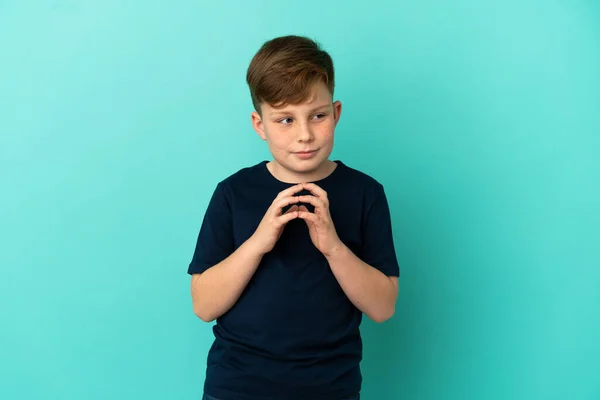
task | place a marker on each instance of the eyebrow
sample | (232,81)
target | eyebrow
(279,113)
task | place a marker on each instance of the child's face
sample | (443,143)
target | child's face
(300,136)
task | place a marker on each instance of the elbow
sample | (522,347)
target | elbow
(199,304)
(387,308)
(203,315)
(383,315)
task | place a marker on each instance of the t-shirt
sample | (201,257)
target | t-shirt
(293,334)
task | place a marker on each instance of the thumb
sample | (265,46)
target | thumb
(303,208)
(292,209)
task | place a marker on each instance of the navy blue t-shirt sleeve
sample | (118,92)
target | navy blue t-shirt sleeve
(215,240)
(378,244)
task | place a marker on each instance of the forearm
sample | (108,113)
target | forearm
(218,288)
(371,291)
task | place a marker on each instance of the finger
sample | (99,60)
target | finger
(292,209)
(318,203)
(316,190)
(287,217)
(289,191)
(303,209)
(279,204)
(308,216)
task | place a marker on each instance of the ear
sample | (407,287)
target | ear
(337,111)
(258,125)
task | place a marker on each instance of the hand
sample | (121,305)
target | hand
(271,226)
(320,225)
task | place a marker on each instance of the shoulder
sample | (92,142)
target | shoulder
(242,177)
(365,190)
(359,179)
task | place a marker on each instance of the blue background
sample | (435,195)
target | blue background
(482,120)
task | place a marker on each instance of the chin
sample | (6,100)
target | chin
(308,165)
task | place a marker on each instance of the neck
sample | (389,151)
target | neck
(282,174)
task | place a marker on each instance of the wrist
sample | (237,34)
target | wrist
(336,251)
(254,248)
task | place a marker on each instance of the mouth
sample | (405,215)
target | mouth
(305,153)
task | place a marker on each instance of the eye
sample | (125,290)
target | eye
(319,116)
(285,121)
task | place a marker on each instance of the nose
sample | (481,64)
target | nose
(305,133)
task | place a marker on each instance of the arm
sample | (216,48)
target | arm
(372,290)
(368,289)
(218,288)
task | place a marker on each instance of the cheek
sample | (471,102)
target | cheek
(278,139)
(326,131)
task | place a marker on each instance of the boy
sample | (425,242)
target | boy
(293,251)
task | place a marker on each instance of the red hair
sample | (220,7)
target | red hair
(284,70)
